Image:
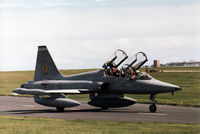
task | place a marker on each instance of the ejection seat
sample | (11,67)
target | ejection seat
(111,66)
(131,68)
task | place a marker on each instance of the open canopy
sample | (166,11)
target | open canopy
(116,59)
(135,62)
(128,70)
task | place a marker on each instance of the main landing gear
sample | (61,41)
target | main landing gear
(60,109)
(105,105)
(152,107)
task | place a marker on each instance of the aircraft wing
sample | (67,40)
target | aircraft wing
(70,91)
(45,92)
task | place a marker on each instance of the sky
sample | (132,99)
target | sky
(85,33)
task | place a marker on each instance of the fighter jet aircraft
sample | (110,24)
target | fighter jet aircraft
(106,87)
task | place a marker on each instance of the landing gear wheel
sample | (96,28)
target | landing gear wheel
(152,108)
(104,108)
(60,109)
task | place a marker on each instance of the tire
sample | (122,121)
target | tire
(104,108)
(152,108)
(60,109)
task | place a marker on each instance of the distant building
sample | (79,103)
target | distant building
(183,64)
(156,63)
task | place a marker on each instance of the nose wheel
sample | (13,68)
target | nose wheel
(152,107)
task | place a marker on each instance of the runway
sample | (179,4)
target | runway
(23,106)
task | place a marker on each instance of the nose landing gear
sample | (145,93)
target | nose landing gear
(152,107)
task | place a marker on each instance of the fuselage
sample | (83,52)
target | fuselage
(96,81)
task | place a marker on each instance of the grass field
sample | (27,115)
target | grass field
(24,125)
(183,69)
(189,81)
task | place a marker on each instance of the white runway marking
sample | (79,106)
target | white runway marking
(162,114)
(28,106)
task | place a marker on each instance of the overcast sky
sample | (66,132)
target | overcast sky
(85,33)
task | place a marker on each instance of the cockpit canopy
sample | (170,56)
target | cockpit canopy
(136,61)
(116,59)
(130,69)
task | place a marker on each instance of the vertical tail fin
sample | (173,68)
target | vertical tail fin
(45,67)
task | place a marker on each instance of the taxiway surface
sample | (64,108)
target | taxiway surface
(23,106)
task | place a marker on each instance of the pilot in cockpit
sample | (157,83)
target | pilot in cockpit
(115,72)
(128,70)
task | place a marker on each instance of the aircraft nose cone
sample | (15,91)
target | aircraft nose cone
(165,87)
(170,87)
(178,88)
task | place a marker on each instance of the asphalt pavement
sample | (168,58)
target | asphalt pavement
(24,106)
